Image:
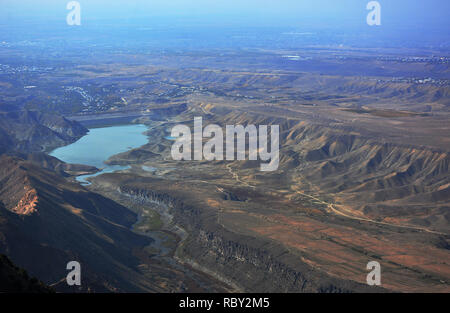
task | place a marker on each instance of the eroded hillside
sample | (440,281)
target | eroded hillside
(344,194)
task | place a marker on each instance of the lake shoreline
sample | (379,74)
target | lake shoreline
(99,144)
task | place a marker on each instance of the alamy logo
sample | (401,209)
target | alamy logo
(74,16)
(374,16)
(258,143)
(374,277)
(74,276)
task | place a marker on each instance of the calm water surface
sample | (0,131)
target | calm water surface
(100,144)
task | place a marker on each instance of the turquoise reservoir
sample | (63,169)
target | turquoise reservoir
(100,144)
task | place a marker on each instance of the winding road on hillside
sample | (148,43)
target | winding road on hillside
(333,208)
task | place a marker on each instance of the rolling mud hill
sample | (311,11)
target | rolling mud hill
(406,181)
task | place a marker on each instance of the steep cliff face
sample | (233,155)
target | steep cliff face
(31,131)
(254,265)
(17,193)
(46,222)
(27,204)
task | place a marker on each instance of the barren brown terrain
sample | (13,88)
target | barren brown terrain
(363,176)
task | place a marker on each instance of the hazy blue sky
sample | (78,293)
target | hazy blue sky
(412,23)
(259,12)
